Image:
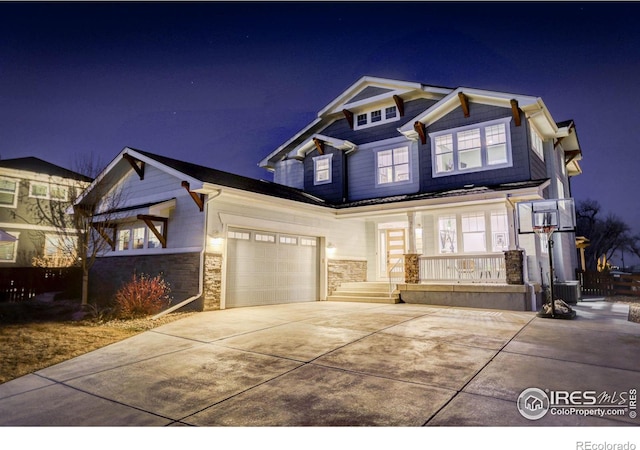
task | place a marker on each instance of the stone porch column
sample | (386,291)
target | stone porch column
(514,265)
(412,268)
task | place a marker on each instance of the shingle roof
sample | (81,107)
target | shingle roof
(231,180)
(222,178)
(37,165)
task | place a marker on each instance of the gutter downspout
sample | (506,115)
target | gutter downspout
(202,252)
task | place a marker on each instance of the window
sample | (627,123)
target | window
(137,237)
(241,235)
(308,242)
(391,112)
(322,169)
(48,192)
(499,231)
(263,237)
(9,250)
(536,143)
(152,240)
(8,190)
(124,237)
(377,116)
(447,231)
(471,149)
(393,166)
(473,233)
(290,240)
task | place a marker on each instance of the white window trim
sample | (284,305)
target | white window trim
(47,196)
(15,234)
(383,116)
(535,138)
(15,192)
(130,227)
(483,148)
(409,163)
(316,160)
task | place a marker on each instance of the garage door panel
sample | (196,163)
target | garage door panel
(268,268)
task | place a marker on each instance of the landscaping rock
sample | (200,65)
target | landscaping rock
(634,313)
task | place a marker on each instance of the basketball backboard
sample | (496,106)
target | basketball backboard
(557,213)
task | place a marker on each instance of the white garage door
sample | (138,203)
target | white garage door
(265,268)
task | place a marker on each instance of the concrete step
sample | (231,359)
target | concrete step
(373,286)
(361,293)
(363,299)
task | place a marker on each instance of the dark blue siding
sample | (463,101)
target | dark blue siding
(331,192)
(520,148)
(362,173)
(340,128)
(368,92)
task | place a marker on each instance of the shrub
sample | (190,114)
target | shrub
(143,295)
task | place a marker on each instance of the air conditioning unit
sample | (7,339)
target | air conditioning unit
(569,291)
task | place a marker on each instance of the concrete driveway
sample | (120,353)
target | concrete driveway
(337,364)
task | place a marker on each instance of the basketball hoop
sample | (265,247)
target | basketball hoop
(546,230)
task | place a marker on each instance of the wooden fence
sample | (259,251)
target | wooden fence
(599,283)
(23,283)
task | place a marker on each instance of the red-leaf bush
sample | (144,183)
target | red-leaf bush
(142,296)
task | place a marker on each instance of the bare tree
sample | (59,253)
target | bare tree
(83,223)
(607,235)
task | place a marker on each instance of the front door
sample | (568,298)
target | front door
(395,240)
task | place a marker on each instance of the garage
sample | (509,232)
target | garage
(266,268)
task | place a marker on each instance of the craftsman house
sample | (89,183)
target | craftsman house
(395,190)
(28,185)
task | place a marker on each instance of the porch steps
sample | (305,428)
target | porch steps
(366,292)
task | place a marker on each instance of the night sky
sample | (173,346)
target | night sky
(224,84)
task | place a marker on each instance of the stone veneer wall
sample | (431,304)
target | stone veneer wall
(212,281)
(514,264)
(180,270)
(344,270)
(412,268)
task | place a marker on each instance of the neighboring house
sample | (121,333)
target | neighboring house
(394,182)
(28,185)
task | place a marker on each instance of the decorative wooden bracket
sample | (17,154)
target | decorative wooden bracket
(137,165)
(111,240)
(319,145)
(464,102)
(420,129)
(349,116)
(571,155)
(148,220)
(198,198)
(399,104)
(515,112)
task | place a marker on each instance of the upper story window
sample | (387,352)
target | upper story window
(376,117)
(9,192)
(536,143)
(473,148)
(393,166)
(48,191)
(322,169)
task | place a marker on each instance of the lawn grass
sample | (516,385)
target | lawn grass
(35,335)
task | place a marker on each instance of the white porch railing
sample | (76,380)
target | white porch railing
(396,275)
(467,268)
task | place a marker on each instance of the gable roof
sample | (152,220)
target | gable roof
(363,93)
(39,166)
(200,174)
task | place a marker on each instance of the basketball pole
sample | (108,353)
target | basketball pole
(550,250)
